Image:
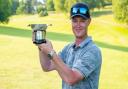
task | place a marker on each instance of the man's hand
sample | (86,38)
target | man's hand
(46,47)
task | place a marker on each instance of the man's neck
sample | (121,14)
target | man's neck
(79,40)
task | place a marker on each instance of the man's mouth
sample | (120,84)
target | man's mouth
(78,29)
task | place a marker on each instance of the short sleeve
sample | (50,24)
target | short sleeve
(87,63)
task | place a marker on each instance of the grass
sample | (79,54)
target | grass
(19,63)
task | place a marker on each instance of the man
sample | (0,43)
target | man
(79,63)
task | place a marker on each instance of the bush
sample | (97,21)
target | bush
(120,9)
(20,9)
(42,11)
(5,10)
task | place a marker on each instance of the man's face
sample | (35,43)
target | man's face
(79,26)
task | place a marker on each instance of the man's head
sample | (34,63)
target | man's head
(80,17)
(80,9)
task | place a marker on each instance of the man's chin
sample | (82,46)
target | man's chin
(78,36)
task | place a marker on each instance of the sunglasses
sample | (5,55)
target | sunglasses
(79,10)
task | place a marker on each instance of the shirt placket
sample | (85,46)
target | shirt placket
(74,54)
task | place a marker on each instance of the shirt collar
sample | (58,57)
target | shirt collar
(84,43)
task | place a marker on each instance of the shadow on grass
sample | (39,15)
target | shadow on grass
(28,33)
(54,36)
(99,13)
(114,47)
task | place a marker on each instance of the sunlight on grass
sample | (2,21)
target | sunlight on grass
(19,63)
(20,67)
(54,19)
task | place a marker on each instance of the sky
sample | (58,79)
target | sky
(41,1)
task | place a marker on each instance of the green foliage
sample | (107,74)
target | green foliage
(93,3)
(120,9)
(21,8)
(25,7)
(34,2)
(5,10)
(108,0)
(59,5)
(50,5)
(29,7)
(68,4)
(65,5)
(15,5)
(42,11)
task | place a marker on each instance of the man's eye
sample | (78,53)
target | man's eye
(82,20)
(74,20)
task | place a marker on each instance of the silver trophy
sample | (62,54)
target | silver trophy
(39,32)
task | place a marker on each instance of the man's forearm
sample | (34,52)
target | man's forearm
(45,62)
(67,74)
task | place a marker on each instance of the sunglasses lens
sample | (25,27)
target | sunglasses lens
(74,10)
(83,10)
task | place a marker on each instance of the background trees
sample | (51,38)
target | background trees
(68,4)
(25,7)
(59,5)
(8,7)
(5,10)
(15,5)
(64,5)
(120,9)
(42,10)
(50,5)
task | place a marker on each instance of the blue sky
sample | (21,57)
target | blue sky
(41,1)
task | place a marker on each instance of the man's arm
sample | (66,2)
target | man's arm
(67,74)
(46,63)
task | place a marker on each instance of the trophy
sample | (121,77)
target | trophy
(39,32)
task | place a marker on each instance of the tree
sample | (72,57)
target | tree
(59,5)
(21,8)
(93,3)
(15,5)
(107,2)
(65,5)
(68,4)
(25,7)
(28,5)
(5,10)
(50,5)
(120,9)
(42,10)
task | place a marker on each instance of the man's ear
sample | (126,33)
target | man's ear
(89,21)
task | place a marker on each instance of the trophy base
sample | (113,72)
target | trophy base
(39,41)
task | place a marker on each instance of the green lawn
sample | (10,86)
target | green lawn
(19,64)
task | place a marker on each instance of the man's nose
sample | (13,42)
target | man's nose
(78,24)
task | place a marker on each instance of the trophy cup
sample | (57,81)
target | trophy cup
(39,32)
